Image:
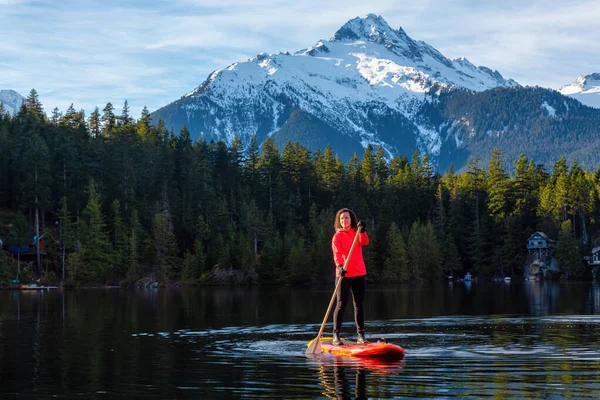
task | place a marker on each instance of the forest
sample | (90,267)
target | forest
(118,199)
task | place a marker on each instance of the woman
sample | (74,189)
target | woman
(354,275)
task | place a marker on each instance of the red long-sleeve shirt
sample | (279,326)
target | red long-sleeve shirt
(341,244)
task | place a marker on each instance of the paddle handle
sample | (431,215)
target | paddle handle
(337,286)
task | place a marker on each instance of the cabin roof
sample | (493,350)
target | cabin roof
(542,234)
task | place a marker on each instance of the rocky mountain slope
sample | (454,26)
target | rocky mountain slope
(371,84)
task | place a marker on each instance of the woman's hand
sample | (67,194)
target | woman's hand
(362,226)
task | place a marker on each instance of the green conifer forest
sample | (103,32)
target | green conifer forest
(118,199)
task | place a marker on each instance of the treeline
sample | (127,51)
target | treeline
(123,199)
(546,123)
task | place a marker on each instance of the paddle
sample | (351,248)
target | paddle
(315,345)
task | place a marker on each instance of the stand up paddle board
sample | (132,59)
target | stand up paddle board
(380,349)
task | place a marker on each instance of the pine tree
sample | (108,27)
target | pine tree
(319,240)
(396,267)
(19,236)
(329,173)
(34,180)
(144,127)
(194,264)
(135,245)
(451,262)
(67,233)
(6,163)
(368,168)
(124,118)
(298,266)
(497,187)
(33,107)
(94,123)
(97,251)
(424,252)
(251,171)
(165,258)
(118,235)
(568,253)
(109,121)
(56,116)
(381,166)
(269,167)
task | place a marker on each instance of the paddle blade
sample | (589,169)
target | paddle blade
(314,347)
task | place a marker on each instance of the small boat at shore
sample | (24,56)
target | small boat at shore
(36,287)
(31,286)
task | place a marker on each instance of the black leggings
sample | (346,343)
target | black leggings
(358,285)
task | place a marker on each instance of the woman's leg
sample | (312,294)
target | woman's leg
(359,288)
(342,300)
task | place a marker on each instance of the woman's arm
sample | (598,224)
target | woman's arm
(364,239)
(336,246)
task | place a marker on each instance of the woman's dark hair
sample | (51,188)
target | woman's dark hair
(353,221)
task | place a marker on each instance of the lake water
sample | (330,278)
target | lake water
(462,340)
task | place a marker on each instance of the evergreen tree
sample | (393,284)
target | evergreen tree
(567,252)
(67,237)
(299,267)
(125,119)
(33,107)
(5,165)
(319,241)
(94,123)
(56,116)
(19,236)
(251,171)
(118,235)
(109,120)
(269,166)
(194,264)
(424,252)
(97,251)
(165,247)
(497,187)
(144,127)
(135,246)
(396,267)
(368,169)
(381,165)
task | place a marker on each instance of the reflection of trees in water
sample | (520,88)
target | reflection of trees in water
(542,297)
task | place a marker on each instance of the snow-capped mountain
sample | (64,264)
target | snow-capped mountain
(11,101)
(364,85)
(586,89)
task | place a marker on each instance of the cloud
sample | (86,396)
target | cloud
(151,53)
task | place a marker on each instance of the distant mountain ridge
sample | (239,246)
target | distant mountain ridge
(586,89)
(11,101)
(368,84)
(365,85)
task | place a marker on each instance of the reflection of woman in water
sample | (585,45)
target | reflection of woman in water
(347,369)
(341,388)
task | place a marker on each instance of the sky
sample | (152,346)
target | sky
(152,52)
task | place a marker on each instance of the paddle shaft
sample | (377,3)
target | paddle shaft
(337,286)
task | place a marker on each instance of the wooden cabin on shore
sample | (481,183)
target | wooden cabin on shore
(541,262)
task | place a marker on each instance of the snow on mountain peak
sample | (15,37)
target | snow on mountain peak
(366,70)
(586,89)
(11,101)
(372,27)
(582,84)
